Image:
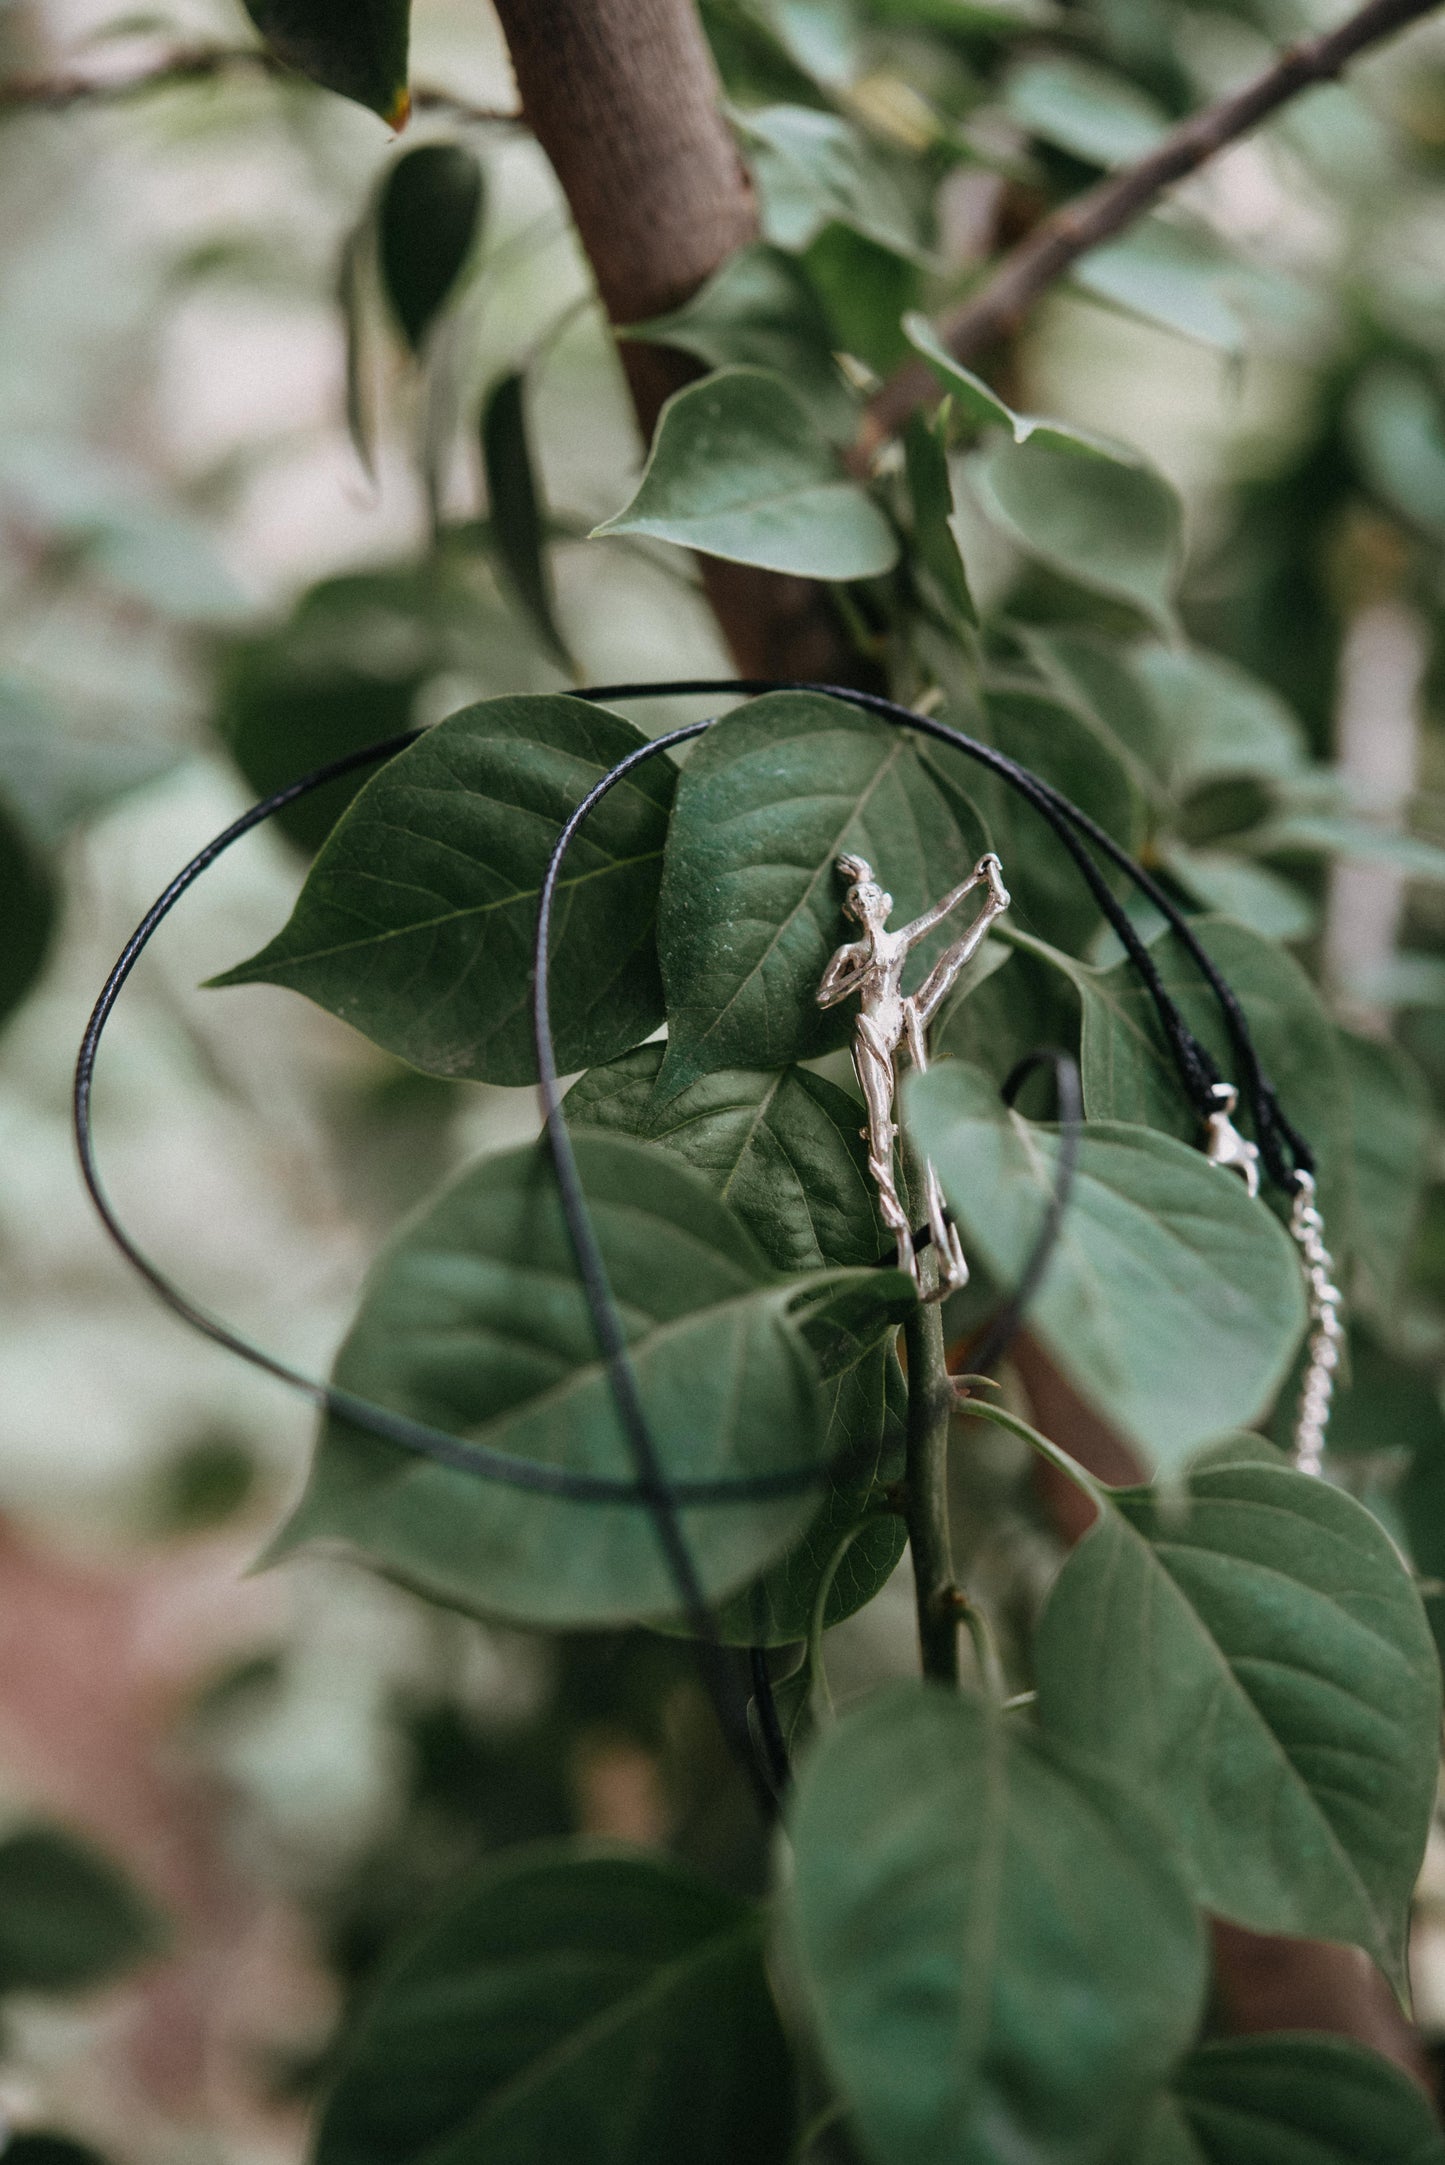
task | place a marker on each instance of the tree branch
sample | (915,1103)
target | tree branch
(196,64)
(996,310)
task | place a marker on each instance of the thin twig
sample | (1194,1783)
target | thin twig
(200,64)
(996,310)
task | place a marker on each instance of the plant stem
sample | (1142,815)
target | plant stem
(998,307)
(930,1403)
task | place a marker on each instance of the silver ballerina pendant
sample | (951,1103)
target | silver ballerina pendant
(891,1021)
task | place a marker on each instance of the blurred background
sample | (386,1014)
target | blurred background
(249,1783)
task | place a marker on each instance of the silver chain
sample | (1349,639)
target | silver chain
(1326,1330)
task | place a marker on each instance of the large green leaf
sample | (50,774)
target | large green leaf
(1129,1072)
(1172,1301)
(815,169)
(1175,275)
(1289,2100)
(68,1918)
(1055,743)
(761,311)
(784,1150)
(356,47)
(1218,719)
(998,1951)
(569,2002)
(428,216)
(781,1146)
(474,1321)
(751,904)
(982,407)
(1251,1656)
(417,921)
(1111,524)
(938,565)
(740,469)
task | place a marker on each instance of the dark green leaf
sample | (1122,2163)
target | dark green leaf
(428,216)
(1052,740)
(935,536)
(1107,522)
(355,47)
(473,1320)
(1173,1302)
(783,1149)
(1399,436)
(416,923)
(1285,2100)
(740,469)
(760,310)
(751,905)
(570,2003)
(39,2147)
(976,2003)
(1218,720)
(1250,1655)
(982,407)
(27,911)
(516,512)
(1096,675)
(68,1918)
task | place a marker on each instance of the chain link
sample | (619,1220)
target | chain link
(1326,1330)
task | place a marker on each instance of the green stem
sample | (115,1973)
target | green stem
(977,1409)
(817,1674)
(930,1403)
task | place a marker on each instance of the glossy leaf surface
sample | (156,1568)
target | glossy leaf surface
(751,904)
(355,47)
(976,2003)
(417,921)
(1251,1656)
(570,2002)
(740,469)
(428,216)
(1172,1302)
(473,1320)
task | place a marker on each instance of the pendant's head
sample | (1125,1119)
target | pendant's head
(865,902)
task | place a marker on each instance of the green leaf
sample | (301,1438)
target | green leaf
(417,921)
(815,169)
(28,906)
(428,216)
(976,2003)
(739,469)
(1088,111)
(939,556)
(983,407)
(1110,524)
(517,524)
(1129,1072)
(1172,1302)
(1248,1653)
(1356,841)
(355,47)
(1283,2100)
(1219,720)
(1230,886)
(760,310)
(1053,742)
(570,2002)
(473,1320)
(61,768)
(1028,1002)
(751,904)
(1398,433)
(1391,1127)
(1096,675)
(38,2146)
(1174,275)
(68,1917)
(783,1149)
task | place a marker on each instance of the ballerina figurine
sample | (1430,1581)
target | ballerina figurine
(889,1020)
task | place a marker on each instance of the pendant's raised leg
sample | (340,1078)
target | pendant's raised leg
(874,1070)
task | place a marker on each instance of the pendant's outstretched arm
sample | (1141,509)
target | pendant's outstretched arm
(987,872)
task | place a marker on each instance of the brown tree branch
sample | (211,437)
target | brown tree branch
(189,64)
(999,306)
